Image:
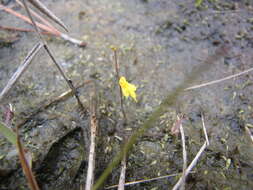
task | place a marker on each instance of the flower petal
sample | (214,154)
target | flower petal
(127,88)
(125,92)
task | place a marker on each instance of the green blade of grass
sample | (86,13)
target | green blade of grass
(8,133)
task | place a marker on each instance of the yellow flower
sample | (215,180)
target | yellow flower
(127,88)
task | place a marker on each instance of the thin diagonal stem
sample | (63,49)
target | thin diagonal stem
(43,20)
(122,178)
(250,135)
(144,180)
(123,161)
(46,11)
(92,151)
(204,129)
(21,69)
(69,82)
(220,80)
(118,77)
(184,155)
(33,22)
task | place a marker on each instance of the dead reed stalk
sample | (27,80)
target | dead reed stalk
(21,69)
(91,160)
(195,160)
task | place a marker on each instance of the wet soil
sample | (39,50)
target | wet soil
(159,43)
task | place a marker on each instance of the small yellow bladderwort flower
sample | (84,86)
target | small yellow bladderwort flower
(127,88)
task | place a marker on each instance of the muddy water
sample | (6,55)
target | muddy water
(159,43)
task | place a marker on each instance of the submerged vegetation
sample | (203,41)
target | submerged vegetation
(66,119)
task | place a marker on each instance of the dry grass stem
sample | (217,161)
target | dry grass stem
(55,31)
(43,20)
(144,181)
(184,154)
(250,135)
(91,161)
(116,65)
(34,24)
(58,33)
(22,30)
(47,27)
(204,129)
(73,40)
(192,165)
(121,185)
(26,19)
(54,101)
(220,80)
(21,69)
(32,183)
(122,178)
(47,12)
(69,82)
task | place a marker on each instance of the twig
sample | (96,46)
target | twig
(21,69)
(144,181)
(193,163)
(40,18)
(122,178)
(26,19)
(204,129)
(73,40)
(25,165)
(118,77)
(60,34)
(248,131)
(69,82)
(34,24)
(219,80)
(56,100)
(46,11)
(45,27)
(22,30)
(184,154)
(91,162)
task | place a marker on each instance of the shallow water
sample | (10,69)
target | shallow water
(159,43)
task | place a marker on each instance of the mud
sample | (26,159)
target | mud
(159,43)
